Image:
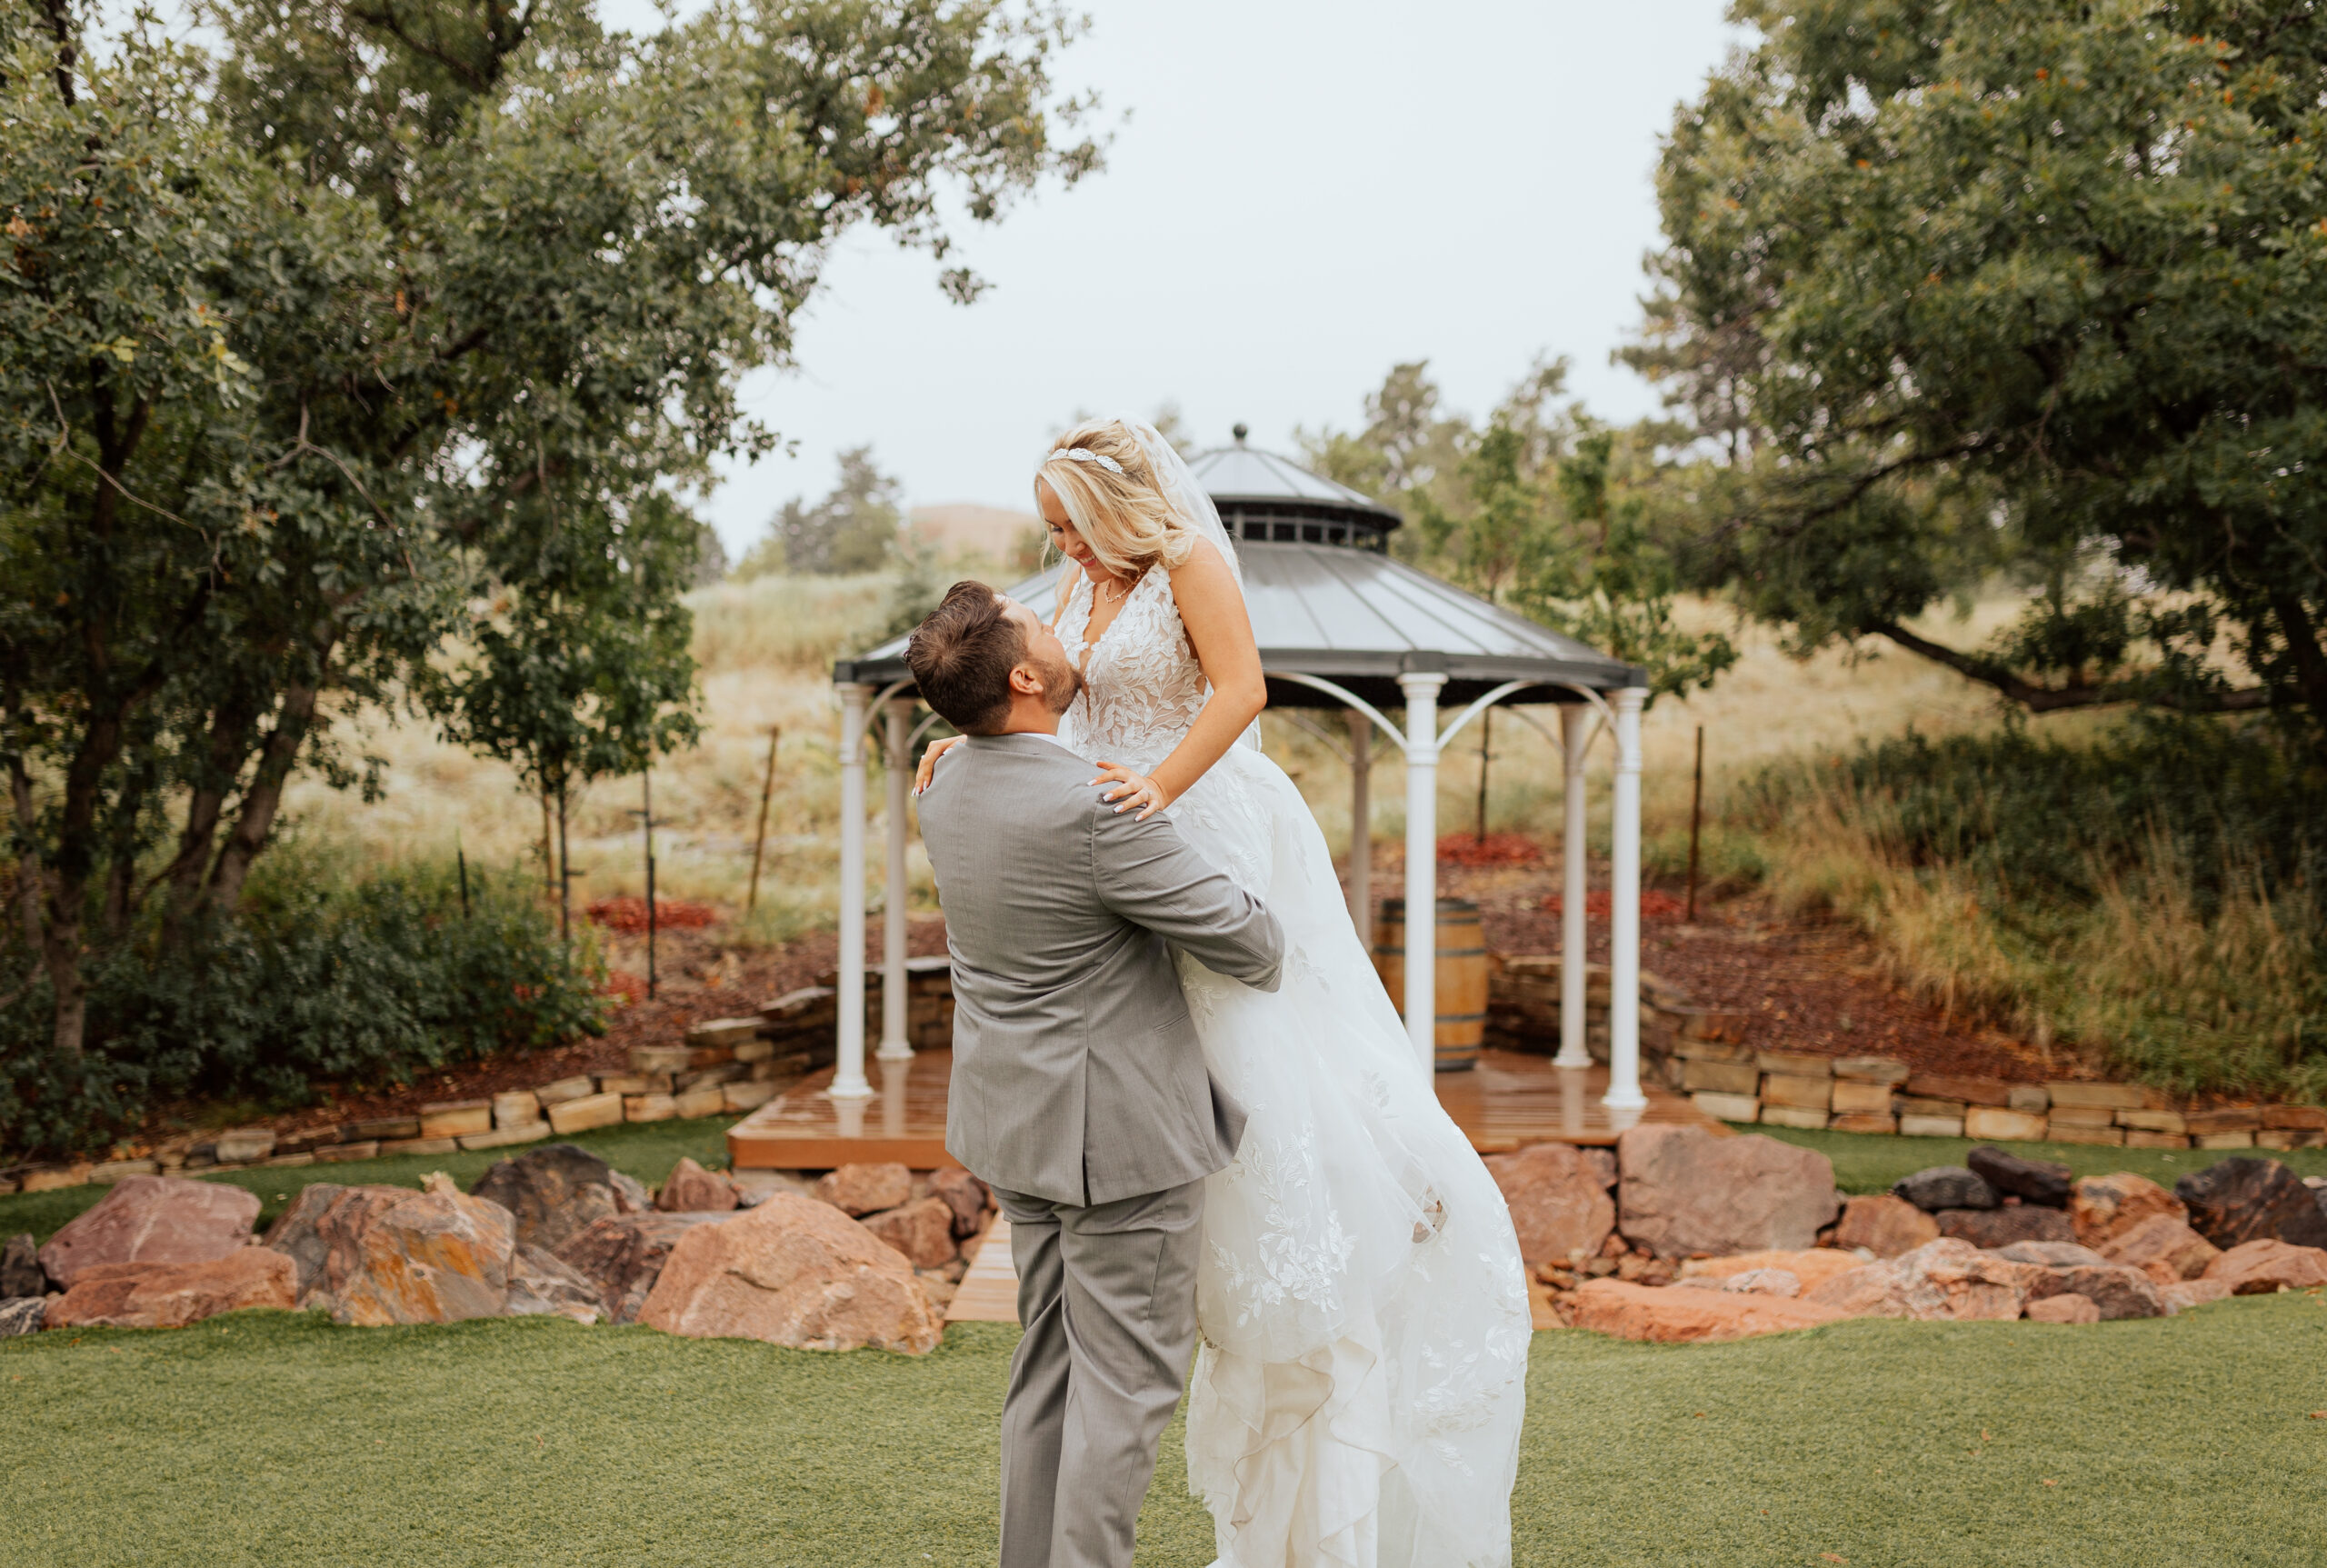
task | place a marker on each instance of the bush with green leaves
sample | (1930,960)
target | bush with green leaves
(324,980)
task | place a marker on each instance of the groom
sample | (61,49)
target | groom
(1079,1092)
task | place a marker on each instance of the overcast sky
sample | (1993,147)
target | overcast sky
(1300,194)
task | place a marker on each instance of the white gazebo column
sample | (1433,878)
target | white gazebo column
(1624,902)
(1421,689)
(894,1046)
(848,1075)
(1575,739)
(1361,825)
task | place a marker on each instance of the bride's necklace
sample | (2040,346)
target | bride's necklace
(1102,597)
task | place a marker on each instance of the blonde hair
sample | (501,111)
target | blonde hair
(1123,516)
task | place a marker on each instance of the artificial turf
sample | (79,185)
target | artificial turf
(268,1438)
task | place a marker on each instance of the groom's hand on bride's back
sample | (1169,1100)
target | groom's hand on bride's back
(1147,873)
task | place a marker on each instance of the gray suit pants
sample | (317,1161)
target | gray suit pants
(1108,1295)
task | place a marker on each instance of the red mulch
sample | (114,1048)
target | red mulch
(1600,904)
(1468,849)
(627,914)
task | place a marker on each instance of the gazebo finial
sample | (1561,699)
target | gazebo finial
(1240,430)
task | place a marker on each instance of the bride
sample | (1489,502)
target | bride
(1364,1314)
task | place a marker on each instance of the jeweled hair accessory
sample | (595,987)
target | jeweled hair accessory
(1084,454)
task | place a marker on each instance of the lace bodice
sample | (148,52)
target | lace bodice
(1141,686)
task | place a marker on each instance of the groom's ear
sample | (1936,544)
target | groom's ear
(1026,679)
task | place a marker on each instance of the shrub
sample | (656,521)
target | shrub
(2155,895)
(355,982)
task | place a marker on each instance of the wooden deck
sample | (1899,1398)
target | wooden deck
(1508,1100)
(1512,1098)
(989,1292)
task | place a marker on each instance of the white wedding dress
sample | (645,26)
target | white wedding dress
(1363,1310)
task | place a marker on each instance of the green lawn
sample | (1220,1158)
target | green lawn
(279,1439)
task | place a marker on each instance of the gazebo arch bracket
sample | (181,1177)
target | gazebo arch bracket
(1346,697)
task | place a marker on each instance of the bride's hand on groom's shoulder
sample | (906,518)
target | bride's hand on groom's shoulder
(928,768)
(1129,789)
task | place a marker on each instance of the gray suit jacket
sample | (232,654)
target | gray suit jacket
(1077,1076)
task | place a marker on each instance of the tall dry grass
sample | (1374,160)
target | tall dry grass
(2187,981)
(765,647)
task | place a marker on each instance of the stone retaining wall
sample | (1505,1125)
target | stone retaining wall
(1702,1052)
(729,1066)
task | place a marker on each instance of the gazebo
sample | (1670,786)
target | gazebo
(1341,625)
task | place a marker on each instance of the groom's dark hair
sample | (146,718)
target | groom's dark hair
(962,656)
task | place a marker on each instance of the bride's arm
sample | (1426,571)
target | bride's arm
(1211,607)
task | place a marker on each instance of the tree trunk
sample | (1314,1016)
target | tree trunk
(262,801)
(564,877)
(28,872)
(2303,652)
(230,739)
(1486,720)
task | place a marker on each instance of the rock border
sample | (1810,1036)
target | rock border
(729,1066)
(1699,1052)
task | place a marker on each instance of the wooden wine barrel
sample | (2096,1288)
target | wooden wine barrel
(1461,968)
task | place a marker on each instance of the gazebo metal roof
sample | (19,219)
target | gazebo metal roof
(1327,600)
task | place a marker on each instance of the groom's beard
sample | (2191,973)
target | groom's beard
(1061,685)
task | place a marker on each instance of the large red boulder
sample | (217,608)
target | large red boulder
(376,1255)
(623,1255)
(2115,1290)
(556,1191)
(923,1230)
(1945,1279)
(793,1271)
(867,1189)
(1813,1267)
(2243,1200)
(2102,1208)
(2163,1248)
(1559,1204)
(1683,1190)
(1884,1224)
(2262,1266)
(543,1285)
(691,1189)
(964,1194)
(2067,1307)
(170,1295)
(1668,1316)
(153,1219)
(2004,1226)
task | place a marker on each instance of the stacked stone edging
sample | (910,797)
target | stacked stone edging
(1702,1052)
(729,1066)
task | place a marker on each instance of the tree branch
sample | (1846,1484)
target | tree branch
(2036,699)
(61,24)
